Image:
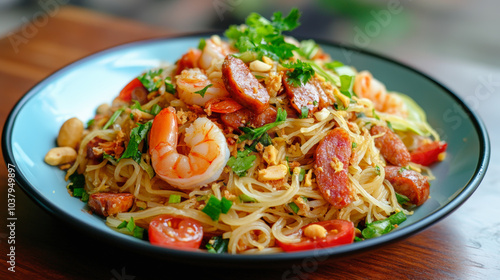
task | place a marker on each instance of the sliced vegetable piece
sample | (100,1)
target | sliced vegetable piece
(428,153)
(322,235)
(175,232)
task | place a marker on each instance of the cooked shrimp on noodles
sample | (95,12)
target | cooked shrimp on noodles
(253,144)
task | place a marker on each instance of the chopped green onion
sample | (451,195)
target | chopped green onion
(346,83)
(377,170)
(294,207)
(246,198)
(354,145)
(225,205)
(122,225)
(381,227)
(155,109)
(174,198)
(131,224)
(402,199)
(212,208)
(78,192)
(113,118)
(308,48)
(304,112)
(169,87)
(202,44)
(90,123)
(217,245)
(302,174)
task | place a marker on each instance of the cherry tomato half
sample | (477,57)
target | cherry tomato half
(338,232)
(175,232)
(126,92)
(428,153)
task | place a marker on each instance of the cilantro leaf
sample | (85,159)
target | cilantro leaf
(242,162)
(217,245)
(288,23)
(203,91)
(255,133)
(137,134)
(148,79)
(301,74)
(263,37)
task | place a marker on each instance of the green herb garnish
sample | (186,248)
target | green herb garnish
(304,112)
(215,207)
(174,198)
(113,118)
(263,37)
(203,91)
(402,199)
(149,80)
(301,74)
(378,228)
(245,198)
(255,133)
(137,134)
(242,162)
(217,245)
(294,207)
(346,83)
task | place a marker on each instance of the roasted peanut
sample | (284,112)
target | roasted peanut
(60,155)
(315,231)
(70,133)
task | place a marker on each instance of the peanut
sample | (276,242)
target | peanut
(315,231)
(60,155)
(70,133)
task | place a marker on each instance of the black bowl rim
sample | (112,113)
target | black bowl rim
(251,260)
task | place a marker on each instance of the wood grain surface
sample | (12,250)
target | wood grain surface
(464,245)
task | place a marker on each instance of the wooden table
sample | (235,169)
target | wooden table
(465,245)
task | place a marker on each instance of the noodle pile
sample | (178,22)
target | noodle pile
(262,212)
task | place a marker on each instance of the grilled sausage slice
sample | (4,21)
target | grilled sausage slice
(106,204)
(332,160)
(390,146)
(409,183)
(243,86)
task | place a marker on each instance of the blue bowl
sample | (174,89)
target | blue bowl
(77,89)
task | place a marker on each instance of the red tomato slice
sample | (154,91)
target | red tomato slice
(428,153)
(224,105)
(126,92)
(339,232)
(175,232)
(188,60)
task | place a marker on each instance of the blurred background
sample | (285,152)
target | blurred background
(451,30)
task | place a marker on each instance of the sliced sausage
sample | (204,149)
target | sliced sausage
(267,116)
(243,86)
(310,95)
(409,183)
(390,145)
(106,204)
(237,119)
(332,160)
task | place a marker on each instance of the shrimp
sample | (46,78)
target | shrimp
(368,87)
(205,160)
(215,49)
(194,80)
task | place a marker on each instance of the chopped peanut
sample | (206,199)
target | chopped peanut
(308,179)
(270,155)
(315,231)
(274,172)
